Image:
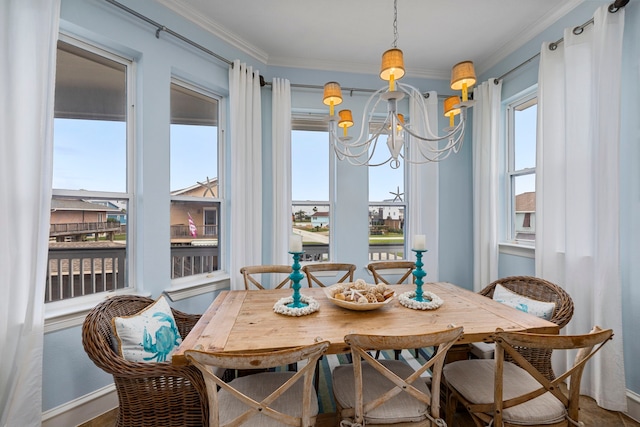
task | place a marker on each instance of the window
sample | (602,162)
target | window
(194,180)
(521,137)
(88,245)
(387,207)
(310,211)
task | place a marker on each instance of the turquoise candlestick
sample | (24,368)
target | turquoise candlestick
(295,277)
(419,273)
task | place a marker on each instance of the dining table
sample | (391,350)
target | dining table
(244,320)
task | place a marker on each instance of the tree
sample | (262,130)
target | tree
(300,215)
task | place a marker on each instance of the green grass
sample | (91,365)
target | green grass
(377,240)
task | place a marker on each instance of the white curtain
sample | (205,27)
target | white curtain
(246,170)
(577,186)
(423,194)
(281,161)
(28,35)
(486,140)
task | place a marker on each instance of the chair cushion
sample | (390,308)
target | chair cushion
(401,408)
(258,386)
(541,309)
(150,335)
(483,350)
(474,380)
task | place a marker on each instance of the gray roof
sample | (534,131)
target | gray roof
(78,205)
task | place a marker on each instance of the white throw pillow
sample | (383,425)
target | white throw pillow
(541,309)
(148,336)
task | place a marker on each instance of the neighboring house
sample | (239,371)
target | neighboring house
(204,215)
(64,211)
(525,225)
(205,188)
(121,216)
(78,219)
(320,219)
(391,217)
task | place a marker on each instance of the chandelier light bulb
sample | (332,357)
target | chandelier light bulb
(463,77)
(332,95)
(346,120)
(451,108)
(392,67)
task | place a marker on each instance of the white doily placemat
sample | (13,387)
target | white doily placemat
(407,300)
(280,307)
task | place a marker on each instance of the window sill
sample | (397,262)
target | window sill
(193,286)
(517,249)
(69,313)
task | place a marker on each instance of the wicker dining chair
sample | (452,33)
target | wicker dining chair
(506,394)
(267,398)
(342,272)
(150,393)
(376,392)
(383,271)
(540,290)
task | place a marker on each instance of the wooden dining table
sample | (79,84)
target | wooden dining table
(245,320)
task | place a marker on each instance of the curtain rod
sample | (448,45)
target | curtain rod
(613,8)
(160,27)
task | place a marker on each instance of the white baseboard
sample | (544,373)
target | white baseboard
(633,405)
(82,409)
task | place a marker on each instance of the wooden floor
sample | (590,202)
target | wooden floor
(591,414)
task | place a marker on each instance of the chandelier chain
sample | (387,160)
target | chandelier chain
(395,24)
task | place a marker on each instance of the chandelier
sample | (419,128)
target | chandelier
(422,144)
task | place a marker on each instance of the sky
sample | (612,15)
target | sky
(91,155)
(525,149)
(310,154)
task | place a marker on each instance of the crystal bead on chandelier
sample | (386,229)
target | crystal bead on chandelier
(424,148)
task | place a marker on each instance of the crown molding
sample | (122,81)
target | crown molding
(184,10)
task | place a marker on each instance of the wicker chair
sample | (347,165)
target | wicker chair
(541,290)
(149,394)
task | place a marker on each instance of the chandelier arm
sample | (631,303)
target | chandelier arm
(415,94)
(453,132)
(439,154)
(353,159)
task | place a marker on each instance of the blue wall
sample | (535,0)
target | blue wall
(68,373)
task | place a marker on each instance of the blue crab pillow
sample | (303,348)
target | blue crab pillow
(541,309)
(148,336)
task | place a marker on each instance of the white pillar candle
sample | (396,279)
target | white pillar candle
(420,242)
(295,243)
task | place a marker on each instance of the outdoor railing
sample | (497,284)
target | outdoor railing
(82,227)
(191,260)
(74,272)
(182,231)
(380,252)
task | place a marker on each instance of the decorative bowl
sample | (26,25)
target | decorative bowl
(368,306)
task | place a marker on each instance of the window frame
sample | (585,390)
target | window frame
(188,286)
(317,123)
(519,102)
(403,205)
(64,313)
